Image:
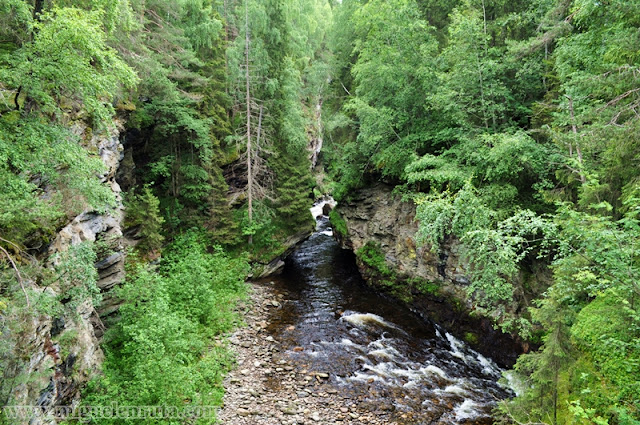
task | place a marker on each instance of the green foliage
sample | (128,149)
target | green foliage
(16,23)
(472,89)
(293,187)
(36,157)
(513,125)
(493,248)
(161,352)
(382,274)
(394,71)
(68,291)
(592,325)
(75,276)
(338,224)
(68,58)
(143,211)
(371,256)
(424,286)
(214,279)
(471,338)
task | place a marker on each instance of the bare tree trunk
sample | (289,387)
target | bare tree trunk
(555,392)
(486,53)
(225,10)
(248,99)
(259,130)
(484,18)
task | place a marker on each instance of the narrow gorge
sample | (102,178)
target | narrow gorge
(289,212)
(322,347)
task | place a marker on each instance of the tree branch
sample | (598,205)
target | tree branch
(18,275)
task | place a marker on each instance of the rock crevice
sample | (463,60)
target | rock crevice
(65,351)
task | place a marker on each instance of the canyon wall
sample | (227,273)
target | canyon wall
(62,351)
(434,285)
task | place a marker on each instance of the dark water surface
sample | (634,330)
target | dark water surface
(374,349)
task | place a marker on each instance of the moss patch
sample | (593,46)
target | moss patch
(338,223)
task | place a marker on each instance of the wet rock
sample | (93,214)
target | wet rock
(275,390)
(376,216)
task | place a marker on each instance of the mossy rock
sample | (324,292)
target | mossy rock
(125,106)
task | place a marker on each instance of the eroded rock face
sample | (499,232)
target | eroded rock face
(375,215)
(65,351)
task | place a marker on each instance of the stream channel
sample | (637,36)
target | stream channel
(373,348)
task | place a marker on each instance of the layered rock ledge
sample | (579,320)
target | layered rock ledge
(436,285)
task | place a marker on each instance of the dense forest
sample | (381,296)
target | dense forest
(514,127)
(214,103)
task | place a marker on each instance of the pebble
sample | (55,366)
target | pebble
(268,387)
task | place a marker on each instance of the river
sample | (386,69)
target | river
(373,348)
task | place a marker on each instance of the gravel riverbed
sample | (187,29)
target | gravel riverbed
(267,387)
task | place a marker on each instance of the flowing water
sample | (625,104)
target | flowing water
(374,349)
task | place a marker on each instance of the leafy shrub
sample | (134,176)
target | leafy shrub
(161,352)
(338,224)
(36,157)
(143,211)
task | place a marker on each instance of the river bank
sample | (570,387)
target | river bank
(267,388)
(320,346)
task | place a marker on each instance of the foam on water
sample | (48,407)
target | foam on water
(488,366)
(467,410)
(384,369)
(456,344)
(364,377)
(434,370)
(316,209)
(513,382)
(365,320)
(370,347)
(388,353)
(455,389)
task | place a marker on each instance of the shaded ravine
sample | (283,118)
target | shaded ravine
(372,348)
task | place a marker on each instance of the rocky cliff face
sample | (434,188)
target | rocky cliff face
(374,217)
(64,351)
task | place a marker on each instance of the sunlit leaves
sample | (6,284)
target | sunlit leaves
(37,156)
(69,58)
(158,352)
